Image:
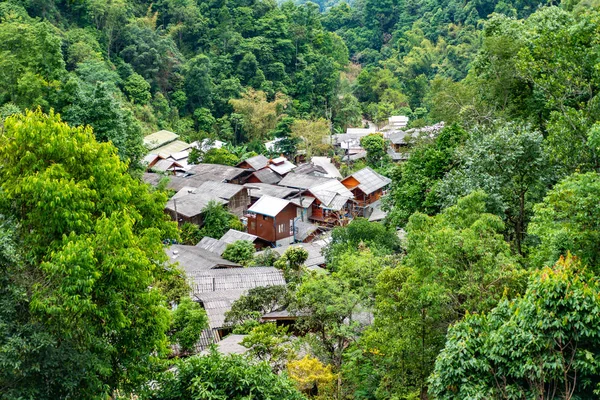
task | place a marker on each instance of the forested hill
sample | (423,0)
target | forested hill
(128,67)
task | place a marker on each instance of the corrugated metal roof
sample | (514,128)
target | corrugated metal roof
(267,175)
(158,139)
(215,172)
(165,165)
(233,236)
(377,214)
(195,260)
(282,168)
(302,181)
(306,201)
(337,203)
(310,169)
(220,189)
(370,181)
(327,165)
(256,162)
(218,289)
(232,345)
(303,230)
(258,190)
(268,205)
(213,245)
(170,148)
(191,205)
(332,194)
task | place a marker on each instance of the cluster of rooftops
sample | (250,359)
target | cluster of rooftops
(279,203)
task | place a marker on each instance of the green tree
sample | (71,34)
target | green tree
(220,156)
(217,376)
(567,220)
(188,321)
(291,262)
(257,302)
(137,89)
(376,147)
(510,165)
(456,261)
(92,235)
(217,220)
(270,343)
(541,345)
(360,232)
(414,182)
(240,251)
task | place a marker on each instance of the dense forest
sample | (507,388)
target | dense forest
(482,282)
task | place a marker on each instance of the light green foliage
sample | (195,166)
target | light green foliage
(187,322)
(60,180)
(266,259)
(220,156)
(240,251)
(291,262)
(414,182)
(567,220)
(270,343)
(220,377)
(360,232)
(510,165)
(545,342)
(376,147)
(91,264)
(190,234)
(456,262)
(217,220)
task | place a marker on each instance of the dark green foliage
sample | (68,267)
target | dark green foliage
(376,147)
(567,220)
(545,342)
(224,378)
(217,220)
(414,182)
(361,232)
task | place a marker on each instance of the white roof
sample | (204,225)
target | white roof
(269,206)
(271,145)
(327,165)
(283,167)
(398,119)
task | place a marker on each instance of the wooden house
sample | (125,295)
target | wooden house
(272,220)
(254,163)
(367,186)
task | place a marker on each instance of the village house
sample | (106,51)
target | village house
(272,220)
(217,283)
(265,175)
(254,163)
(281,165)
(258,190)
(367,186)
(218,246)
(325,199)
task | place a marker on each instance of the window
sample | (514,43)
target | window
(281,228)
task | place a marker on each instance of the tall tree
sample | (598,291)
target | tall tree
(91,263)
